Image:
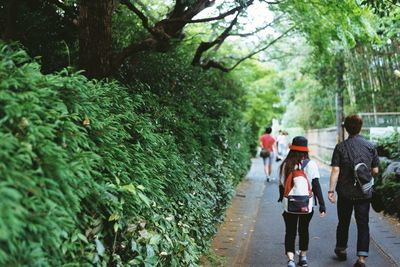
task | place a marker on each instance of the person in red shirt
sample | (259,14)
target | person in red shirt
(267,144)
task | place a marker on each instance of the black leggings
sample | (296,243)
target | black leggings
(291,222)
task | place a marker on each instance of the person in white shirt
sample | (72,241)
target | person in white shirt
(282,143)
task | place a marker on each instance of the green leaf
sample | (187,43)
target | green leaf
(141,187)
(130,188)
(83,238)
(145,199)
(155,239)
(114,217)
(134,246)
(99,247)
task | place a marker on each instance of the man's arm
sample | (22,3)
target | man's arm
(332,182)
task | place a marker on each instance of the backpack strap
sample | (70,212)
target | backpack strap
(288,184)
(304,164)
(351,158)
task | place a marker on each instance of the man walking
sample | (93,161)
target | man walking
(350,195)
(267,144)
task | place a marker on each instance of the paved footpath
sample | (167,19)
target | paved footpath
(253,231)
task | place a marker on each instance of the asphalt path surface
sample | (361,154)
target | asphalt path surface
(266,243)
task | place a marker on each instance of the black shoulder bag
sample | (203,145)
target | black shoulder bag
(362,174)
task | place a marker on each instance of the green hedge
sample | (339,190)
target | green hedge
(96,173)
(389,187)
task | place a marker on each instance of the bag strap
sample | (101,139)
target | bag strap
(304,164)
(288,184)
(348,150)
(349,153)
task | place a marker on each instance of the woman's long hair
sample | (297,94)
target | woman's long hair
(292,159)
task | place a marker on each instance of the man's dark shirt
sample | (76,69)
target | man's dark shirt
(362,151)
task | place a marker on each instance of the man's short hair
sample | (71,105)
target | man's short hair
(268,130)
(353,124)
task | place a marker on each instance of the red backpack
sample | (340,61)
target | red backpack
(297,197)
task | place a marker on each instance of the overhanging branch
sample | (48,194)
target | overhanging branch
(218,65)
(219,17)
(263,48)
(259,29)
(204,46)
(140,14)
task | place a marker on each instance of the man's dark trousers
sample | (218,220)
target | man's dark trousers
(361,212)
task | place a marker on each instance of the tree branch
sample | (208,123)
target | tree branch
(214,64)
(145,8)
(259,29)
(218,65)
(221,16)
(273,3)
(263,48)
(140,14)
(178,10)
(195,8)
(204,46)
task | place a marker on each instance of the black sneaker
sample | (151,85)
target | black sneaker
(291,263)
(341,254)
(359,264)
(302,262)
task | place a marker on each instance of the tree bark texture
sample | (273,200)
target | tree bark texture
(11,19)
(340,85)
(95,40)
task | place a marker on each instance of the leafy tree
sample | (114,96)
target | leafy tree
(95,25)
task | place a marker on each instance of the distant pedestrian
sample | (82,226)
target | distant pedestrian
(350,196)
(282,144)
(268,147)
(296,160)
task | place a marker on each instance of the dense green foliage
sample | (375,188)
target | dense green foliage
(262,99)
(388,186)
(389,191)
(98,173)
(369,46)
(37,21)
(389,146)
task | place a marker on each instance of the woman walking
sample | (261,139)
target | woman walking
(299,185)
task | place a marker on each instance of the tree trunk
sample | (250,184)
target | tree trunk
(95,43)
(340,69)
(11,19)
